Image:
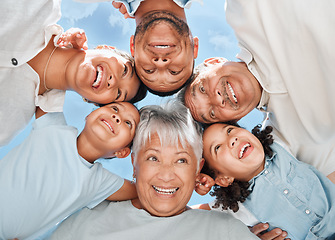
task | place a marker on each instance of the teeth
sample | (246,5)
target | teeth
(99,77)
(243,149)
(110,127)
(162,46)
(232,92)
(167,191)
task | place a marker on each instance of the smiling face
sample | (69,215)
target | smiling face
(111,128)
(165,177)
(103,76)
(233,152)
(164,51)
(222,92)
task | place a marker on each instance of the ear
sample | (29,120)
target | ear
(132,48)
(201,164)
(124,152)
(224,181)
(214,60)
(196,47)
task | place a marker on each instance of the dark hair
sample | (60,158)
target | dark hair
(141,93)
(228,197)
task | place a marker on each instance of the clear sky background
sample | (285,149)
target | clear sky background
(105,25)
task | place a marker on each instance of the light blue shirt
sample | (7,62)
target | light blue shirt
(44,180)
(132,5)
(123,221)
(293,196)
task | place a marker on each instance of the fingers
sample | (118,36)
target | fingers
(73,38)
(275,234)
(122,8)
(203,184)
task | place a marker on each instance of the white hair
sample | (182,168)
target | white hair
(173,123)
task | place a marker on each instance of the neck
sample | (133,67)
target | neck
(86,150)
(51,66)
(154,5)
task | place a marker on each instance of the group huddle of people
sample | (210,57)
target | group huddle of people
(275,182)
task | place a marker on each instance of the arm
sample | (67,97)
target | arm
(126,192)
(39,112)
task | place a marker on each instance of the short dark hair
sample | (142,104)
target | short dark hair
(141,93)
(228,197)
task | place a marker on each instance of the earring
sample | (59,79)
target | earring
(134,178)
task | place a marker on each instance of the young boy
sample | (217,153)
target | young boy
(52,174)
(273,185)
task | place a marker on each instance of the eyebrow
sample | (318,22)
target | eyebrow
(125,95)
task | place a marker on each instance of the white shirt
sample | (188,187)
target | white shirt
(289,47)
(26,28)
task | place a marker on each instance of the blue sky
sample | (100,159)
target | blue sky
(105,25)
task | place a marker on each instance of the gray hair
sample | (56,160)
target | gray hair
(172,122)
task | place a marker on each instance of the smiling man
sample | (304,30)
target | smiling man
(163,46)
(285,72)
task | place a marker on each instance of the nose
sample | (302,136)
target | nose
(166,173)
(116,118)
(218,98)
(232,142)
(160,61)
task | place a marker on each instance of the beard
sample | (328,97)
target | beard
(156,17)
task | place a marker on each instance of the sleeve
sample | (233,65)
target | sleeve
(237,230)
(104,184)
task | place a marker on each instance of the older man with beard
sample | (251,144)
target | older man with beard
(163,46)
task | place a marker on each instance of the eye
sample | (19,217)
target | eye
(115,108)
(216,148)
(118,94)
(152,158)
(229,130)
(149,71)
(182,160)
(174,72)
(212,114)
(130,125)
(125,71)
(201,88)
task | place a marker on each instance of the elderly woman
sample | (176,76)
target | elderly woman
(166,159)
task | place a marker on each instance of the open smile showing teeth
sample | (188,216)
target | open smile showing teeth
(108,125)
(98,79)
(232,92)
(162,46)
(166,191)
(243,150)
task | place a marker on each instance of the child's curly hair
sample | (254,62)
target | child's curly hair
(228,197)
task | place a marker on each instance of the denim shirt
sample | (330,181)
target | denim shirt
(293,196)
(132,5)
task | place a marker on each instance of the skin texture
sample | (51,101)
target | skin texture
(168,167)
(210,98)
(108,131)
